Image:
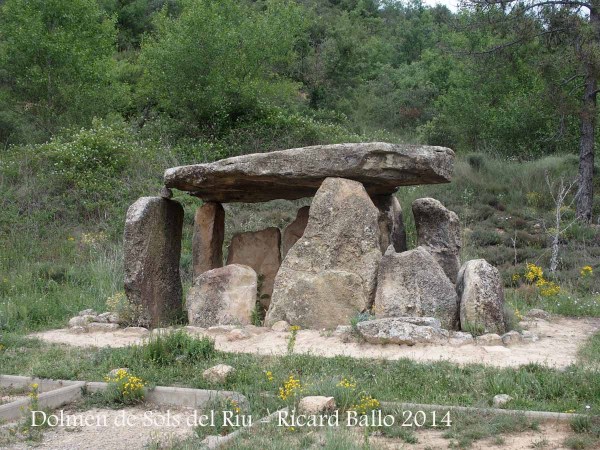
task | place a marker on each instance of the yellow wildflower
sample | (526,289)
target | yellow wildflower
(586,271)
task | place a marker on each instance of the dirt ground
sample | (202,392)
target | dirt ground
(107,429)
(152,425)
(552,435)
(557,347)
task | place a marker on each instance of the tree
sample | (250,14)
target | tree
(221,61)
(577,22)
(55,63)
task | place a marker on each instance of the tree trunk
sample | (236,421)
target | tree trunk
(585,191)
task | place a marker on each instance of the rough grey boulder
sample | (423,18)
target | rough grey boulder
(261,251)
(438,229)
(298,172)
(294,230)
(412,283)
(396,330)
(391,222)
(329,275)
(481,294)
(207,240)
(222,296)
(152,248)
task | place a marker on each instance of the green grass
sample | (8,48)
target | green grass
(533,386)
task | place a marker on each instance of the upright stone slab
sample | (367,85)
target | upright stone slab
(152,247)
(412,283)
(481,294)
(223,296)
(261,251)
(329,275)
(207,240)
(294,230)
(438,229)
(391,222)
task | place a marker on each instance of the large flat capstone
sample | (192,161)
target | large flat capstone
(298,172)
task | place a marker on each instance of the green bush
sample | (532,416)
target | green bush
(178,346)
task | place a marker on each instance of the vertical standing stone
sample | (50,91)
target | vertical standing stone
(261,251)
(294,230)
(330,274)
(391,223)
(438,229)
(207,240)
(152,248)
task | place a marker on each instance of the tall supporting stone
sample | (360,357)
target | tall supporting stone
(207,240)
(329,275)
(261,251)
(294,230)
(391,223)
(438,229)
(152,248)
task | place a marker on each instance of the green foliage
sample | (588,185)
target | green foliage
(171,347)
(56,67)
(221,61)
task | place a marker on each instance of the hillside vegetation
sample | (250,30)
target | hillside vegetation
(98,97)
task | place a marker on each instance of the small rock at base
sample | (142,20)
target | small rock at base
(511,338)
(501,399)
(78,330)
(96,326)
(316,405)
(460,338)
(489,339)
(237,335)
(81,321)
(136,330)
(537,314)
(528,336)
(87,312)
(113,373)
(165,192)
(281,325)
(218,373)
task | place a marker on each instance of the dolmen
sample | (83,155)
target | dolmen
(343,256)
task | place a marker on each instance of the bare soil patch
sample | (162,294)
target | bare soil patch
(557,347)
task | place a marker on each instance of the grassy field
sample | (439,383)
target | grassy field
(179,360)
(61,253)
(54,263)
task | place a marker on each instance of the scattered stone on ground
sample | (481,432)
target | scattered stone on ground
(152,249)
(103,327)
(297,173)
(238,334)
(260,250)
(489,339)
(281,325)
(438,229)
(511,338)
(226,295)
(501,400)
(316,404)
(218,373)
(481,294)
(459,338)
(294,230)
(557,347)
(538,314)
(412,283)
(528,336)
(207,238)
(397,330)
(329,275)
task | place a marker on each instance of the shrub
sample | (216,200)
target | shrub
(178,346)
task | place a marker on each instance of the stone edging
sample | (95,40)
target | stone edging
(65,391)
